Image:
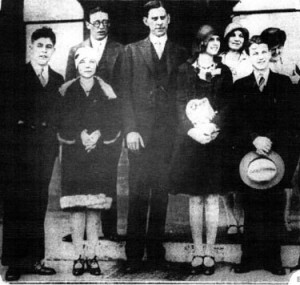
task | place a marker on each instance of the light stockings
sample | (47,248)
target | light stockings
(80,221)
(196,208)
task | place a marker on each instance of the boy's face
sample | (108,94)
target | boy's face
(98,25)
(87,67)
(42,50)
(157,21)
(260,56)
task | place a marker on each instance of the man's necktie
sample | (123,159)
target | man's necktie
(42,78)
(159,49)
(261,83)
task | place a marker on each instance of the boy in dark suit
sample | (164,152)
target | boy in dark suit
(149,122)
(35,148)
(265,115)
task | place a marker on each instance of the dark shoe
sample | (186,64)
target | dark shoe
(41,269)
(242,268)
(197,269)
(12,274)
(93,266)
(78,267)
(157,264)
(276,270)
(208,270)
(232,230)
(133,266)
(113,237)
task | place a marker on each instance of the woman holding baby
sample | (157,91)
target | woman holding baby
(203,101)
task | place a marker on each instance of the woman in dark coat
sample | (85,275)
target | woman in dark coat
(88,116)
(203,97)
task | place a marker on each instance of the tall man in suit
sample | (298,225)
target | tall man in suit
(35,147)
(148,71)
(108,69)
(265,123)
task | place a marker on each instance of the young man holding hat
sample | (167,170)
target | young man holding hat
(35,148)
(149,120)
(108,69)
(265,124)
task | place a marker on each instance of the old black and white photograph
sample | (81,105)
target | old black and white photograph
(150,142)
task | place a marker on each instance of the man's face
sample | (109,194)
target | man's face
(236,41)
(87,67)
(213,45)
(42,50)
(98,25)
(276,53)
(157,21)
(260,56)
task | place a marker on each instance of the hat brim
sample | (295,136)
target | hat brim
(251,156)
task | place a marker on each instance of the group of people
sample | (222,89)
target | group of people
(187,122)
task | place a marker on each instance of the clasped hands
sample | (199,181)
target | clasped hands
(90,140)
(204,133)
(263,145)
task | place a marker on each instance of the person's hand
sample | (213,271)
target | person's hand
(63,141)
(134,141)
(62,89)
(90,141)
(263,145)
(199,135)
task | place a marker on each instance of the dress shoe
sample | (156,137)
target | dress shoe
(78,267)
(12,274)
(41,269)
(93,266)
(198,269)
(209,270)
(242,268)
(276,270)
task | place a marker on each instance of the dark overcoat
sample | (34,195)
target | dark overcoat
(35,148)
(198,169)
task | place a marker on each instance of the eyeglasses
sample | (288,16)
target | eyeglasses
(97,24)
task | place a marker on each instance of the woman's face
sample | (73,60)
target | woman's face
(236,40)
(87,67)
(213,45)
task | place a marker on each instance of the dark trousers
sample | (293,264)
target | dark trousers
(148,201)
(25,202)
(111,157)
(263,227)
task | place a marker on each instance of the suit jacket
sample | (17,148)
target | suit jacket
(37,106)
(271,114)
(139,86)
(109,66)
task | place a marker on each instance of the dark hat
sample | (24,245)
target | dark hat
(205,32)
(261,172)
(273,37)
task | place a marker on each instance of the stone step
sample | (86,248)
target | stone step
(57,226)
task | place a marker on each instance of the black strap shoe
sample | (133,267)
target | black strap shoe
(208,270)
(93,266)
(12,274)
(78,266)
(276,270)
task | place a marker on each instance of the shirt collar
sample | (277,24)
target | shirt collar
(265,74)
(96,44)
(154,39)
(38,68)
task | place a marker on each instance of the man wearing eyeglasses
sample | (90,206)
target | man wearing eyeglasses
(108,70)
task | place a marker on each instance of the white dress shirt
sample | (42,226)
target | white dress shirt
(159,44)
(99,46)
(41,71)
